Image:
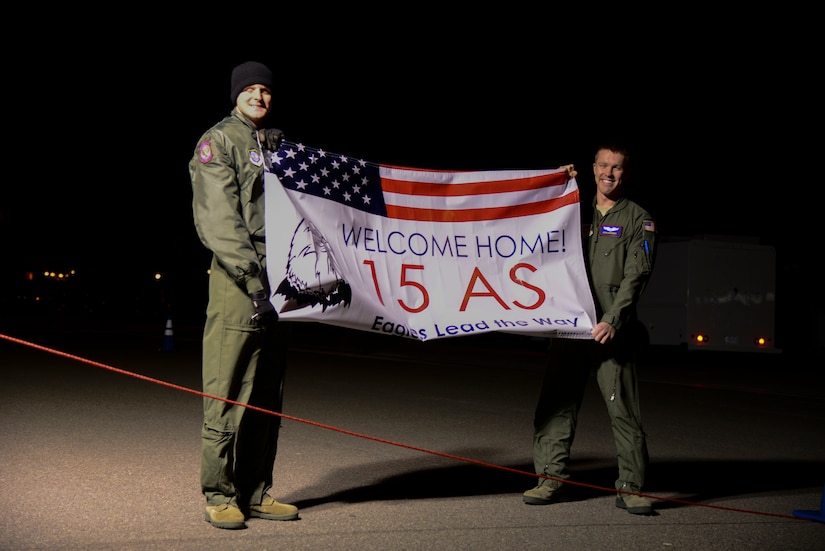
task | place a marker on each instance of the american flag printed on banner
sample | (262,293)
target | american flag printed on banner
(419,194)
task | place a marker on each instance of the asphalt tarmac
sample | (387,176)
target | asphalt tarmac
(390,444)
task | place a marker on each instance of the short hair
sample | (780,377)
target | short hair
(615,147)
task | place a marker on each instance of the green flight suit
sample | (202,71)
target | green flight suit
(242,362)
(620,252)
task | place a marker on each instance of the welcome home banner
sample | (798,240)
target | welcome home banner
(424,254)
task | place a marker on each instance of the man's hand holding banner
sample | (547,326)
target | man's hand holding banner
(425,254)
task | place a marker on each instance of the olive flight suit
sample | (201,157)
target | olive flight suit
(242,361)
(620,252)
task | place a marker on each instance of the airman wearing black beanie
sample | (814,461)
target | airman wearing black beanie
(244,357)
(247,74)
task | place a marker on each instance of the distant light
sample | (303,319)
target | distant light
(158,276)
(701,339)
(60,276)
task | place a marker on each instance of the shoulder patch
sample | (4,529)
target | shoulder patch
(205,152)
(255,157)
(649,225)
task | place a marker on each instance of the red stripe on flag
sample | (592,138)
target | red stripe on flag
(481,214)
(477,188)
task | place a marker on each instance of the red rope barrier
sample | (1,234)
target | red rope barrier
(380,440)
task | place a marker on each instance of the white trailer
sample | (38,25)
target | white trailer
(713,293)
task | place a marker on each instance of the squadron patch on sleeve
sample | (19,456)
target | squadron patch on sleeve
(255,157)
(649,225)
(205,152)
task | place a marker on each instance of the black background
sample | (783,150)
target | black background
(102,121)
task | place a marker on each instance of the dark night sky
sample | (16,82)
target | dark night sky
(101,134)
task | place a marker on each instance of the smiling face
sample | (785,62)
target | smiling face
(609,171)
(255,102)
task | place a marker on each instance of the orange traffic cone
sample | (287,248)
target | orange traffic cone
(168,337)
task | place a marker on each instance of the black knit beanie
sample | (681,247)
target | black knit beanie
(247,74)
